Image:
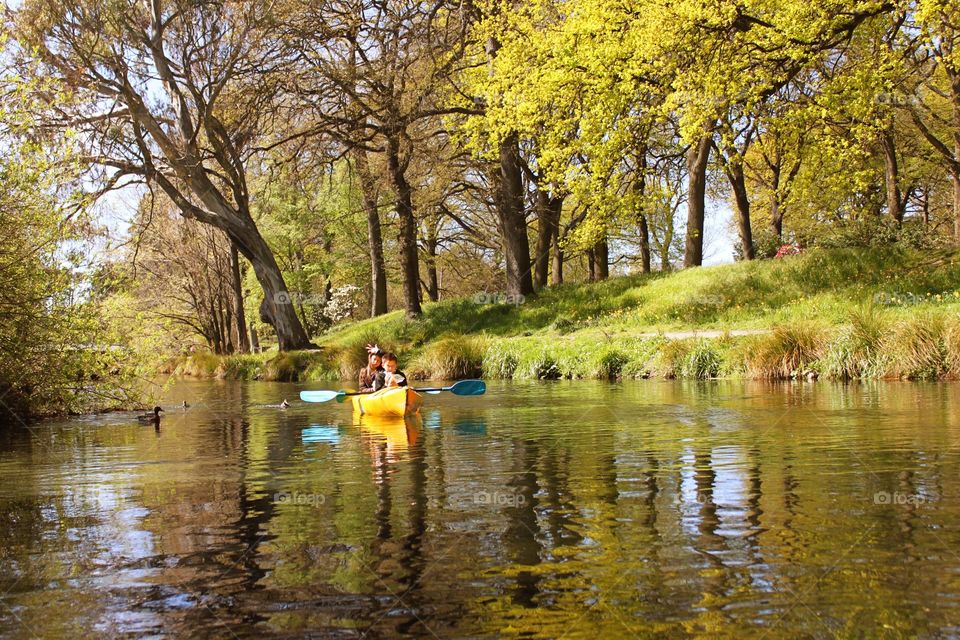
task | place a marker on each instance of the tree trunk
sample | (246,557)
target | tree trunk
(697,158)
(277,307)
(254,339)
(513,224)
(601,260)
(548,210)
(378,269)
(891,174)
(433,280)
(509,200)
(738,183)
(591,265)
(409,258)
(639,194)
(556,272)
(243,344)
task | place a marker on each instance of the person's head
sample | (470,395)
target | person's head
(390,362)
(374,356)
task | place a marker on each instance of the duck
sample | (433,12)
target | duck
(151,417)
(284,404)
(185,405)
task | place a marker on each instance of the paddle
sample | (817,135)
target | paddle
(462,388)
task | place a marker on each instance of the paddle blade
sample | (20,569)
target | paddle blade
(469,388)
(319,396)
(433,392)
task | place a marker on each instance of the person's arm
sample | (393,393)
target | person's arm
(363,383)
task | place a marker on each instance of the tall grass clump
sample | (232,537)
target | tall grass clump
(702,361)
(609,363)
(200,364)
(951,339)
(290,366)
(242,366)
(856,351)
(450,358)
(917,348)
(670,358)
(786,352)
(500,361)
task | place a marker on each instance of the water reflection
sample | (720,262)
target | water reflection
(552,510)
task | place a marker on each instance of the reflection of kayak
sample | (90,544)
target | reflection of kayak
(397,433)
(399,401)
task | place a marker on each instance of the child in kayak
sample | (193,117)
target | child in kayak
(366,380)
(391,376)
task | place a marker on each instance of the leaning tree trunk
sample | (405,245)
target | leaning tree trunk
(277,307)
(243,343)
(378,269)
(409,259)
(697,158)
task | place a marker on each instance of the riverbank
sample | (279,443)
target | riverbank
(839,314)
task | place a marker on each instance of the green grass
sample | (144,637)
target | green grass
(843,313)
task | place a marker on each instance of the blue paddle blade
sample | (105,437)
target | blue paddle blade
(321,433)
(319,396)
(469,388)
(434,392)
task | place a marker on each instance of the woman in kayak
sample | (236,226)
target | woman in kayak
(390,376)
(368,375)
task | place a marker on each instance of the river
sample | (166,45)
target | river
(558,510)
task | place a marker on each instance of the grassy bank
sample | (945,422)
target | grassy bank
(838,314)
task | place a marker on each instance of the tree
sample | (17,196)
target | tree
(176,95)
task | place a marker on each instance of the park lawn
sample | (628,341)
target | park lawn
(833,313)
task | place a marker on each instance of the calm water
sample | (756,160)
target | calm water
(562,510)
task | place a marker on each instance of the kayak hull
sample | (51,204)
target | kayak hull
(398,401)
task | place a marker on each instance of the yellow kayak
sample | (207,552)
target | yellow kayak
(398,401)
